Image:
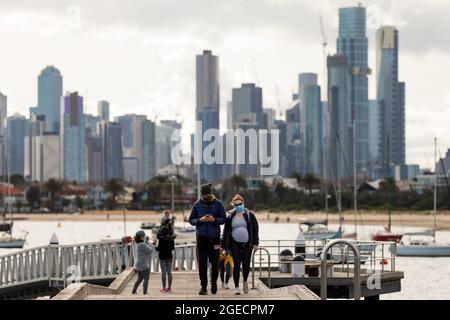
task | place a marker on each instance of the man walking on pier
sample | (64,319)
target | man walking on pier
(207,215)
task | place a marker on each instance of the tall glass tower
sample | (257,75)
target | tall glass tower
(208,103)
(353,44)
(50,85)
(311,124)
(17,131)
(391,100)
(73,139)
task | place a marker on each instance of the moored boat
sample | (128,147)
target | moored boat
(426,248)
(7,241)
(387,237)
(318,230)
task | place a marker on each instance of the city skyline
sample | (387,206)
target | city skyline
(295,55)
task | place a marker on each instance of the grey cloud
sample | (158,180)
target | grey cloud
(426,28)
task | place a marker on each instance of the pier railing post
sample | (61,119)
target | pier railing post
(260,266)
(356,270)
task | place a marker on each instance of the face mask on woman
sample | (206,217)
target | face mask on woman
(239,208)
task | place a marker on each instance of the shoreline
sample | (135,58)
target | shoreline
(399,218)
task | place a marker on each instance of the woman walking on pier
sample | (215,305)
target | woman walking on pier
(241,237)
(144,251)
(165,248)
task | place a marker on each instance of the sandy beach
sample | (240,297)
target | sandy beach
(399,218)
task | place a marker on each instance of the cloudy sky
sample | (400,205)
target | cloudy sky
(140,54)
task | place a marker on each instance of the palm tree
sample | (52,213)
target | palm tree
(155,189)
(297,176)
(18,204)
(237,182)
(114,187)
(310,180)
(53,186)
(79,202)
(33,195)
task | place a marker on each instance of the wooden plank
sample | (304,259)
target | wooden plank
(185,286)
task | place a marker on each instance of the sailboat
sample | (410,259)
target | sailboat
(7,240)
(387,235)
(425,248)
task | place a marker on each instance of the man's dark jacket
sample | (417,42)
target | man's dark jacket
(203,208)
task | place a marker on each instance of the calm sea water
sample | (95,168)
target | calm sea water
(425,278)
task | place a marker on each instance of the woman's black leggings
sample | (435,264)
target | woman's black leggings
(242,254)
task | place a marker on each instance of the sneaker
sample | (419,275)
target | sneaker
(237,291)
(134,293)
(203,292)
(227,286)
(245,287)
(213,288)
(169,290)
(162,290)
(223,285)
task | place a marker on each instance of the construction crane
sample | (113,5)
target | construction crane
(324,53)
(324,98)
(278,101)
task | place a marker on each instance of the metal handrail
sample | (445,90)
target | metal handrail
(356,270)
(260,266)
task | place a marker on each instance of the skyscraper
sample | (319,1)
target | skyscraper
(42,160)
(3,113)
(103,110)
(91,123)
(311,125)
(73,139)
(208,91)
(340,126)
(163,143)
(374,140)
(138,141)
(111,159)
(353,44)
(208,103)
(210,120)
(148,150)
(93,156)
(290,139)
(391,99)
(50,86)
(17,130)
(247,105)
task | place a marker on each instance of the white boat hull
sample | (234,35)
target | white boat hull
(12,244)
(423,251)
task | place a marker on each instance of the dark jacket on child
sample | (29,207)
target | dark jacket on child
(166,244)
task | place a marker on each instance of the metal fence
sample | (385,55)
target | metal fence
(81,262)
(375,255)
(106,259)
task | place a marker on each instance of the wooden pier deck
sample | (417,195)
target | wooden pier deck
(185,286)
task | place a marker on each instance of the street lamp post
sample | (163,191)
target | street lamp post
(172,186)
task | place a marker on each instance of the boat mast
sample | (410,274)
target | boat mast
(5,155)
(355,199)
(325,163)
(388,184)
(435,191)
(338,178)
